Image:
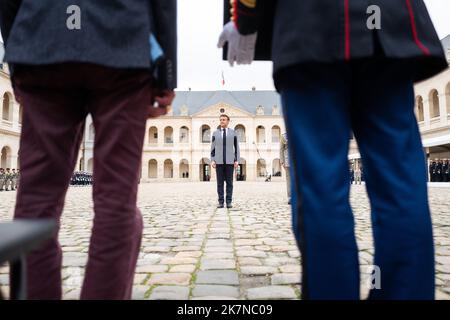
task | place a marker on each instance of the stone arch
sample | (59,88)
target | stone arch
(434,103)
(241,170)
(152,169)
(5,157)
(205,169)
(168,135)
(7,108)
(205,133)
(419,109)
(276,168)
(184,134)
(276,134)
(153,135)
(261,168)
(168,168)
(91,133)
(240,132)
(447,97)
(184,169)
(260,134)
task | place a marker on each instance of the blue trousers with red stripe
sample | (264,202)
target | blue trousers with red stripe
(322,104)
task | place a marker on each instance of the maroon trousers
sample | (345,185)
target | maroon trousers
(56,100)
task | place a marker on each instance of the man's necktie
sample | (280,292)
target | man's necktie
(224,146)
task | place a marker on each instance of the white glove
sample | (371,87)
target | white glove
(240,48)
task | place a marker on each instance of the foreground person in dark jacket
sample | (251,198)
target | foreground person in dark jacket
(344,66)
(70,59)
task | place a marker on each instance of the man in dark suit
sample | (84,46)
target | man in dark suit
(225,157)
(69,59)
(344,66)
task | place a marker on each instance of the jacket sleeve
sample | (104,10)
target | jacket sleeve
(213,148)
(246,14)
(163,18)
(8,13)
(237,152)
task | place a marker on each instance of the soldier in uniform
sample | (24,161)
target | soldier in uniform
(332,59)
(439,171)
(8,179)
(284,159)
(13,179)
(432,171)
(352,174)
(448,170)
(2,178)
(18,178)
(445,171)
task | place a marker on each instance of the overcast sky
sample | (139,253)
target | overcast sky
(200,63)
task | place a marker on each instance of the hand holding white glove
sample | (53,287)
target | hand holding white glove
(241,48)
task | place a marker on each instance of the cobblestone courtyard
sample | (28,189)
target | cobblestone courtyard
(191,250)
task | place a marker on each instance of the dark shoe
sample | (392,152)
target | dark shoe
(229,205)
(220,205)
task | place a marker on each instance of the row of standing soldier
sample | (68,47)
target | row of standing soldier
(81,178)
(440,170)
(9,179)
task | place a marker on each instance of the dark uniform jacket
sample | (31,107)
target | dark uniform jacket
(113,33)
(292,32)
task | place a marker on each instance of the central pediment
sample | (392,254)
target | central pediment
(219,108)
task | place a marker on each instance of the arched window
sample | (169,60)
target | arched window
(205,134)
(7,107)
(240,132)
(168,135)
(168,168)
(276,134)
(91,132)
(5,157)
(184,134)
(447,97)
(276,168)
(261,168)
(184,169)
(434,104)
(260,134)
(419,106)
(153,135)
(153,169)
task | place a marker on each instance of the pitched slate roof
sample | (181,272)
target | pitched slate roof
(246,100)
(446,45)
(2,51)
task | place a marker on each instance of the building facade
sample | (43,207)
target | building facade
(177,146)
(10,122)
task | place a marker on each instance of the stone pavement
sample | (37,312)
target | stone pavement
(191,250)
